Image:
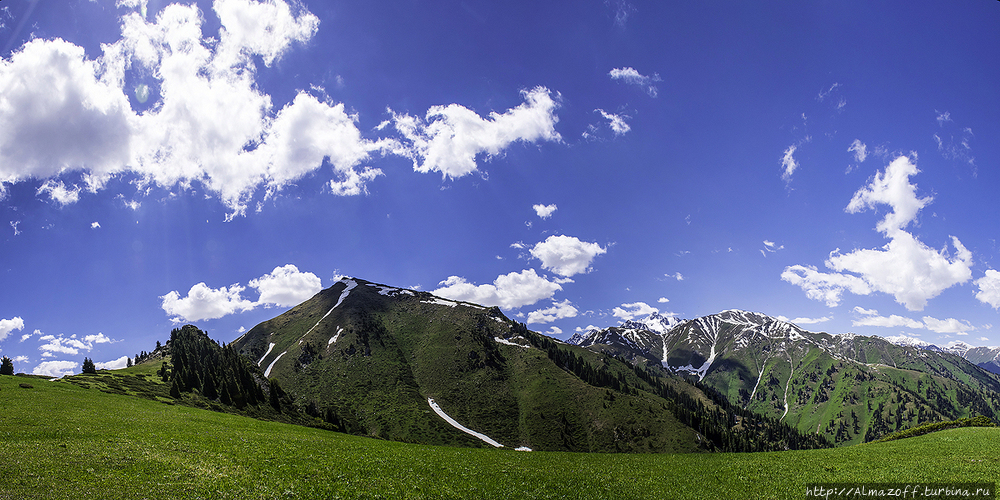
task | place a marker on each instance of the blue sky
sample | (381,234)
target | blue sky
(576,163)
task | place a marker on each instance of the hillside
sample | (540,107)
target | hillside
(848,387)
(63,441)
(408,366)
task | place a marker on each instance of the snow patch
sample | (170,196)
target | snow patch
(440,302)
(335,337)
(267,372)
(269,347)
(437,409)
(523,448)
(343,295)
(507,342)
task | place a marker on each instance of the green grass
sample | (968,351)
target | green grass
(64,441)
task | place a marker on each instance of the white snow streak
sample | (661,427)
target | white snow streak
(335,337)
(791,371)
(437,409)
(266,353)
(440,302)
(507,342)
(267,372)
(343,295)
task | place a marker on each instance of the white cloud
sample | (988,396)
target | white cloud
(566,255)
(91,119)
(554,330)
(114,364)
(632,77)
(771,247)
(20,359)
(989,289)
(69,345)
(805,321)
(825,287)
(59,193)
(286,286)
(95,225)
(616,122)
(587,329)
(950,325)
(905,267)
(676,276)
(56,368)
(663,300)
(891,187)
(449,138)
(543,211)
(209,122)
(508,291)
(870,317)
(788,163)
(9,325)
(559,310)
(633,310)
(859,149)
(203,303)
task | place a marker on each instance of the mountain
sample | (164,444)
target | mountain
(847,387)
(987,358)
(405,365)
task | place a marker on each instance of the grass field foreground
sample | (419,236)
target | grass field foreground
(64,441)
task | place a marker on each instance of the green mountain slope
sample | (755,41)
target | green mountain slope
(371,358)
(850,388)
(62,441)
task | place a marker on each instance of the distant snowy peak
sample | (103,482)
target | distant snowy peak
(655,322)
(903,340)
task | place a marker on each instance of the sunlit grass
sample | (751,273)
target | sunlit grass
(65,441)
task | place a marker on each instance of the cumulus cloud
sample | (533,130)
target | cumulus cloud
(71,345)
(905,267)
(633,310)
(870,317)
(9,325)
(989,290)
(566,255)
(805,321)
(508,291)
(559,310)
(449,138)
(55,368)
(632,77)
(286,286)
(203,303)
(114,364)
(543,211)
(208,122)
(824,287)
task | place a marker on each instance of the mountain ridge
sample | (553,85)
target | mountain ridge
(814,380)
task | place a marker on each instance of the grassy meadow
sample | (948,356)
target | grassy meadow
(62,440)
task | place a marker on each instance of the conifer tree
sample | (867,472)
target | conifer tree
(6,366)
(88,366)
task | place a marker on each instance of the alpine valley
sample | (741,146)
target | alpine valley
(847,387)
(405,365)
